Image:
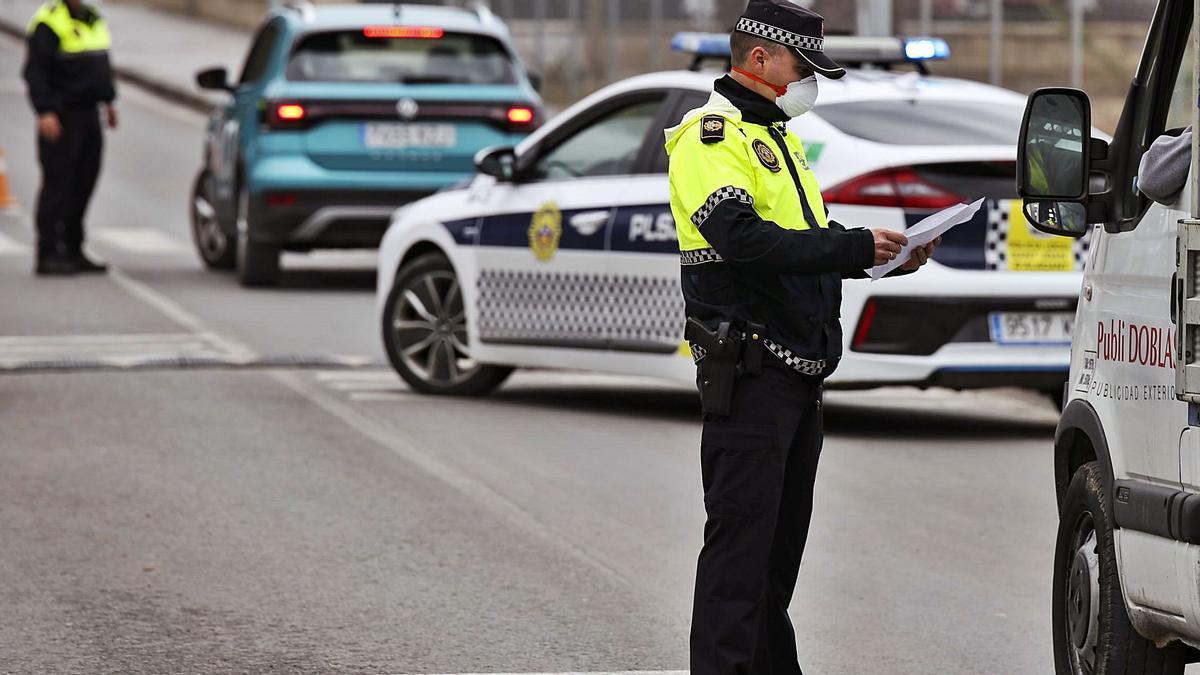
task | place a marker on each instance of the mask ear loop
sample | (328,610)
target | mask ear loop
(779,91)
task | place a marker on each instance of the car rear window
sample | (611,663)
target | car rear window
(925,122)
(390,54)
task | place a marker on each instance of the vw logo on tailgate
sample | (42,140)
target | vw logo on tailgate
(407,108)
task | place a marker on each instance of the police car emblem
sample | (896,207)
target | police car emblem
(545,231)
(766,155)
(712,129)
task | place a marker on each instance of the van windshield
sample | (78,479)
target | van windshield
(926,122)
(400,55)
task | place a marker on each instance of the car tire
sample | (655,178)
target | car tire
(425,332)
(1092,632)
(257,263)
(215,245)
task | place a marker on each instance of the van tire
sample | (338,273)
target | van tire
(1095,622)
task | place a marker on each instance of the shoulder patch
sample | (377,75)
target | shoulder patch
(712,129)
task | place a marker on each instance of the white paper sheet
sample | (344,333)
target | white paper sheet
(926,231)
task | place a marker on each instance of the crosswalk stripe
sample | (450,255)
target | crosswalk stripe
(141,240)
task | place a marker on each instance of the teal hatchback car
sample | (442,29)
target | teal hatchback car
(343,113)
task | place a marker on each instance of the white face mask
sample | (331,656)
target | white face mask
(800,97)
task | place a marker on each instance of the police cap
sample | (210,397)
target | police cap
(791,25)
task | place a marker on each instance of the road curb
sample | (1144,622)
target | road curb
(166,90)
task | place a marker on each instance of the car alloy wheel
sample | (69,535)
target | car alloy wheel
(429,329)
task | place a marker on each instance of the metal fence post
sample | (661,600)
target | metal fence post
(540,21)
(926,22)
(1076,43)
(614,49)
(997,66)
(573,71)
(656,27)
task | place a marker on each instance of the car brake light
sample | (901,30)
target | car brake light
(290,112)
(520,115)
(425,32)
(901,188)
(864,324)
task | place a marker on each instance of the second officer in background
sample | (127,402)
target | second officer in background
(69,77)
(762,268)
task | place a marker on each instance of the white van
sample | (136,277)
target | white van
(1127,449)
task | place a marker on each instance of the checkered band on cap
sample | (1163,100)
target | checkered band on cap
(723,194)
(775,34)
(700,257)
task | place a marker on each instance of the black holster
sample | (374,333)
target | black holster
(728,353)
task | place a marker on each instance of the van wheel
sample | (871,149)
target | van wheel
(1092,633)
(425,332)
(257,264)
(213,243)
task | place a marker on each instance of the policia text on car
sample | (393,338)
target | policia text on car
(762,267)
(69,75)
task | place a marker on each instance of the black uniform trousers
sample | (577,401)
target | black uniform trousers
(70,167)
(759,464)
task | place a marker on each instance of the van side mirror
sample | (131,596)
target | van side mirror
(499,162)
(1054,160)
(214,78)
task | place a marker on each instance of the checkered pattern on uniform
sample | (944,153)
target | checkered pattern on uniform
(789,358)
(995,252)
(699,257)
(562,306)
(722,194)
(812,44)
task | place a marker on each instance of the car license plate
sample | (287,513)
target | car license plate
(393,135)
(1031,327)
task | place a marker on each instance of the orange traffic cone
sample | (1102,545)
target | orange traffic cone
(7,200)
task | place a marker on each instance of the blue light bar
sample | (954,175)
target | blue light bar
(926,49)
(702,44)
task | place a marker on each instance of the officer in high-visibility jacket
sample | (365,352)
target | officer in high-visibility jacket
(70,77)
(762,268)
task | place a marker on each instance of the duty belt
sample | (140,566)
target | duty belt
(790,359)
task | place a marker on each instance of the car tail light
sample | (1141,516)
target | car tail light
(400,32)
(864,323)
(902,188)
(520,115)
(285,114)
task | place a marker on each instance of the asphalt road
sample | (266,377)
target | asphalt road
(323,519)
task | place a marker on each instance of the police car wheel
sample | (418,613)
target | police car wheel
(1092,632)
(213,243)
(257,264)
(425,332)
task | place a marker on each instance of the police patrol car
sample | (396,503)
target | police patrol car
(562,253)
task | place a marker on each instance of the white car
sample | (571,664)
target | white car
(562,252)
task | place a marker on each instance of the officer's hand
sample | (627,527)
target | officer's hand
(49,127)
(112,117)
(887,245)
(920,256)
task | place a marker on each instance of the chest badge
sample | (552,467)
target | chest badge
(766,155)
(545,231)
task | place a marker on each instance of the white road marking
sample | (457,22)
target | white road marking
(12,247)
(140,240)
(118,351)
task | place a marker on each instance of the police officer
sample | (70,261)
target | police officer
(69,76)
(762,268)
